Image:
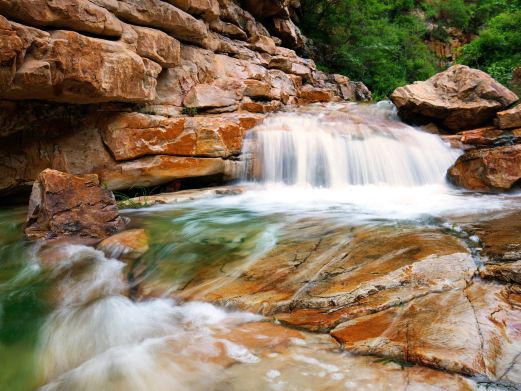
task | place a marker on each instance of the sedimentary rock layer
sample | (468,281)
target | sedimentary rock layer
(174,61)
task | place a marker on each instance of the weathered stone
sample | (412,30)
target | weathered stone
(159,14)
(286,30)
(493,169)
(51,70)
(262,43)
(501,245)
(132,135)
(509,119)
(156,170)
(288,66)
(208,9)
(257,89)
(228,29)
(79,15)
(128,245)
(474,330)
(265,8)
(282,86)
(311,94)
(158,46)
(64,205)
(296,274)
(260,107)
(459,98)
(184,195)
(45,140)
(204,96)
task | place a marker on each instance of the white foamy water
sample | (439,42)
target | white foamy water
(98,339)
(362,145)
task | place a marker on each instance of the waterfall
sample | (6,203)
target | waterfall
(342,145)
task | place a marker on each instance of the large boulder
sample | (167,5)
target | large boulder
(458,98)
(493,169)
(64,205)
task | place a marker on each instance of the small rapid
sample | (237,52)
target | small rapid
(345,145)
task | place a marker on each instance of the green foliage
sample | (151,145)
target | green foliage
(382,42)
(498,48)
(124,201)
(191,111)
(402,363)
(377,42)
(448,13)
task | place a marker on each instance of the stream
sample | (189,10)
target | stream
(337,201)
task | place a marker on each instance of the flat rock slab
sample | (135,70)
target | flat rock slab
(474,330)
(182,196)
(409,294)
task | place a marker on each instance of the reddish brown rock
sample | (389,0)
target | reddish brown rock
(131,135)
(501,245)
(78,15)
(262,43)
(207,9)
(128,245)
(204,96)
(260,107)
(492,169)
(257,89)
(289,66)
(155,170)
(459,98)
(312,95)
(64,205)
(473,331)
(160,15)
(509,119)
(52,70)
(157,46)
(229,29)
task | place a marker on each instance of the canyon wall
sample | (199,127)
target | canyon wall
(146,92)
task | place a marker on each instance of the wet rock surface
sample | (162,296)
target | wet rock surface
(494,169)
(408,294)
(63,205)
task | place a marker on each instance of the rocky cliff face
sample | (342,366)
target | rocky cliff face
(144,92)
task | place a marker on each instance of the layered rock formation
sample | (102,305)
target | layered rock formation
(405,293)
(145,92)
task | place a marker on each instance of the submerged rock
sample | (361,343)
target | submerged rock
(128,245)
(459,98)
(63,205)
(491,169)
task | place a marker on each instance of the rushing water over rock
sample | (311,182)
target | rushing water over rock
(346,145)
(373,248)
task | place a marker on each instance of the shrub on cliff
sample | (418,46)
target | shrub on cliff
(382,42)
(497,50)
(377,42)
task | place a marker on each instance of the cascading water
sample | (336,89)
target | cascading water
(72,319)
(345,145)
